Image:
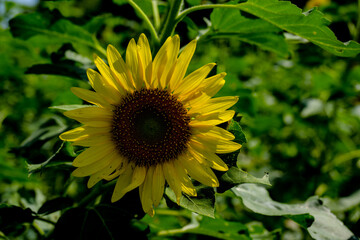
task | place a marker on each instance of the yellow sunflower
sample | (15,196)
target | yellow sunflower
(150,124)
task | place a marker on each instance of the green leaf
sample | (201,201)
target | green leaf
(62,31)
(304,220)
(203,203)
(235,128)
(12,217)
(218,228)
(343,204)
(230,23)
(235,176)
(311,26)
(61,69)
(171,223)
(34,168)
(55,204)
(325,226)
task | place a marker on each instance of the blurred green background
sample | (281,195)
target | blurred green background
(300,114)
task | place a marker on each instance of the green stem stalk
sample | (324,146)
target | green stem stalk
(170,23)
(156,14)
(357,33)
(146,19)
(187,11)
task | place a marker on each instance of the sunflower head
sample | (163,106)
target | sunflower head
(150,124)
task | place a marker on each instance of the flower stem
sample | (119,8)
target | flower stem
(170,23)
(146,19)
(185,12)
(357,33)
(156,14)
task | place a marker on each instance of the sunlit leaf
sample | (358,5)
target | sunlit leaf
(62,31)
(61,69)
(311,26)
(215,228)
(325,226)
(344,203)
(230,23)
(235,176)
(235,128)
(218,228)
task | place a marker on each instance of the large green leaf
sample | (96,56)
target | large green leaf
(215,228)
(235,128)
(324,227)
(311,26)
(12,219)
(230,23)
(235,176)
(61,31)
(61,69)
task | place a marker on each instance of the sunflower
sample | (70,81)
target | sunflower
(149,123)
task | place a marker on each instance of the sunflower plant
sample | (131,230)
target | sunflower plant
(148,141)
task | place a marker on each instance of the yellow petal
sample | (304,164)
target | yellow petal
(196,101)
(141,73)
(93,154)
(74,134)
(108,75)
(212,118)
(186,184)
(82,133)
(213,84)
(215,105)
(182,64)
(214,144)
(213,160)
(213,131)
(146,58)
(201,173)
(193,80)
(132,62)
(119,68)
(158,184)
(97,123)
(93,141)
(123,181)
(87,114)
(114,164)
(171,178)
(100,86)
(145,191)
(91,97)
(118,170)
(164,61)
(137,178)
(93,167)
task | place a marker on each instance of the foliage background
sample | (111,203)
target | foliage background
(299,109)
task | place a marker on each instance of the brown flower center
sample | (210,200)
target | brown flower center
(150,126)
